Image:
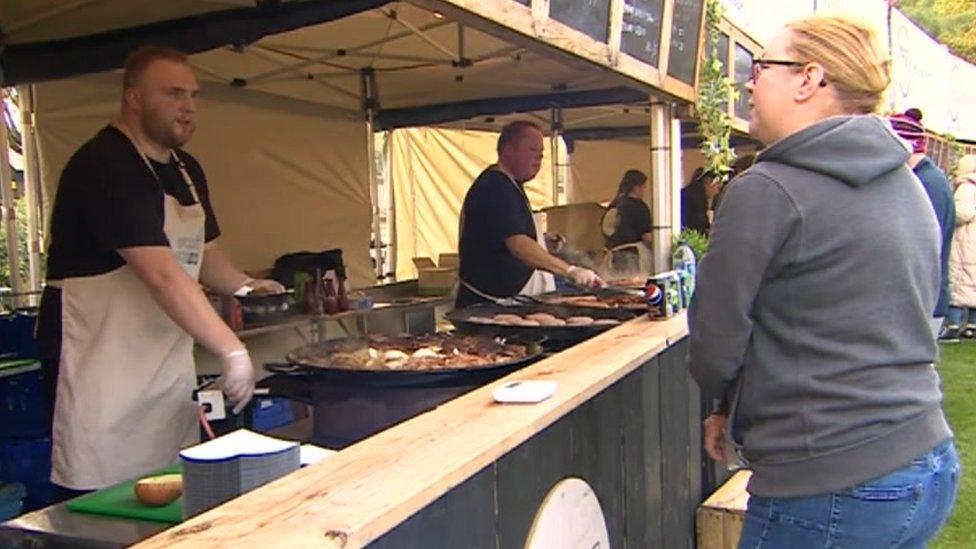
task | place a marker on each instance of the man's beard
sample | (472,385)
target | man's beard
(162,133)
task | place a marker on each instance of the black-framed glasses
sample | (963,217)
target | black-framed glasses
(759,64)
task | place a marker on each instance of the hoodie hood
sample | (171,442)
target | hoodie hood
(854,149)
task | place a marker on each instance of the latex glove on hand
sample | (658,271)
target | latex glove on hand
(584,277)
(260,286)
(238,378)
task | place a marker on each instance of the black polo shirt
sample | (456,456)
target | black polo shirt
(494,209)
(108,199)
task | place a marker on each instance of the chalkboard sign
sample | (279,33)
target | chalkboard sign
(742,74)
(591,17)
(685,28)
(641,31)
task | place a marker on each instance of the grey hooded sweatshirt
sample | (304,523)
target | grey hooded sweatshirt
(812,306)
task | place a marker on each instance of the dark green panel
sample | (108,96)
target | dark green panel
(525,475)
(678,525)
(598,455)
(642,458)
(463,518)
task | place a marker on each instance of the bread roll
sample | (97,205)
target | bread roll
(159,490)
(507,318)
(606,322)
(579,320)
(540,317)
(553,322)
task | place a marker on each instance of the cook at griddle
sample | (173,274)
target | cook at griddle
(501,247)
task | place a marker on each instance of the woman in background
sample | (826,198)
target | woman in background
(962,255)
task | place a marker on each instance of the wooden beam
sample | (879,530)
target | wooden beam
(616,30)
(365,490)
(667,21)
(526,27)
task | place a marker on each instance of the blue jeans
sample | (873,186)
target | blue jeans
(960,316)
(904,508)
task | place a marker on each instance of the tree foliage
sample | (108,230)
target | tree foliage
(715,89)
(951,22)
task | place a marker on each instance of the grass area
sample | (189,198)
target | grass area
(958,369)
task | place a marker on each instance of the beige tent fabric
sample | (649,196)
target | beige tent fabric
(431,172)
(597,166)
(282,177)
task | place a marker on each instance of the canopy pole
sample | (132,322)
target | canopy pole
(370,97)
(662,183)
(556,115)
(392,14)
(9,213)
(32,186)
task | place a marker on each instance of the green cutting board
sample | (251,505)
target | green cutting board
(120,501)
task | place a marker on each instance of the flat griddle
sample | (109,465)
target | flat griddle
(558,335)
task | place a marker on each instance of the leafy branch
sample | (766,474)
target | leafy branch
(715,91)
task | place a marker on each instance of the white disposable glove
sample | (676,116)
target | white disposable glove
(260,286)
(238,378)
(584,277)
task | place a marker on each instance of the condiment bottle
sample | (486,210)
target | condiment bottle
(342,297)
(330,302)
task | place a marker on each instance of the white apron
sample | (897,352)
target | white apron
(541,281)
(124,400)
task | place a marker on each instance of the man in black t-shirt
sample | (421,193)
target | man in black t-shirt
(132,231)
(499,247)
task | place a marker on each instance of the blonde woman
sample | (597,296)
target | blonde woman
(838,415)
(962,257)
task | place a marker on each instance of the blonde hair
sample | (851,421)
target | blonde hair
(853,60)
(966,167)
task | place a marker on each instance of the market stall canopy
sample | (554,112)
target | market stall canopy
(417,66)
(321,62)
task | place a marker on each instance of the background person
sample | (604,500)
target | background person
(909,127)
(628,221)
(962,261)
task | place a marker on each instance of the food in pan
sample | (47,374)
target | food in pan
(630,283)
(605,322)
(419,353)
(621,301)
(159,490)
(579,320)
(541,320)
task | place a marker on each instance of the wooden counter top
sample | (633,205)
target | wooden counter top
(365,490)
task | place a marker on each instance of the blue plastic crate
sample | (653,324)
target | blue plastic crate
(17,334)
(23,405)
(29,463)
(11,499)
(271,413)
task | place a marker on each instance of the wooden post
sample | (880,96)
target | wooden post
(616,30)
(662,180)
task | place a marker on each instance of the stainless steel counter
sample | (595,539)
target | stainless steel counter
(57,527)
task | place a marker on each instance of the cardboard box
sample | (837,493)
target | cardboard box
(721,516)
(434,280)
(579,223)
(449,261)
